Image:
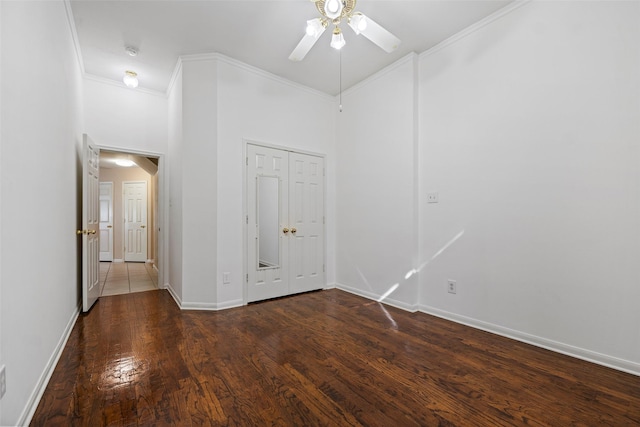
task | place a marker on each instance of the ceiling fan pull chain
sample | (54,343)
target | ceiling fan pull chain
(340,53)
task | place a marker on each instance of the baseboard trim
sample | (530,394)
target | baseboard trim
(412,308)
(212,306)
(173,294)
(150,261)
(118,260)
(36,395)
(555,346)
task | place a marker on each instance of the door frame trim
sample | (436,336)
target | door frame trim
(245,232)
(163,207)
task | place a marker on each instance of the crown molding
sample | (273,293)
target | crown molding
(174,77)
(120,85)
(244,66)
(474,27)
(74,35)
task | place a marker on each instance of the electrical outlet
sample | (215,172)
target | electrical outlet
(3,382)
(226,278)
(432,198)
(451,286)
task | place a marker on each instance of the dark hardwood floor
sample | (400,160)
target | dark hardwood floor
(323,358)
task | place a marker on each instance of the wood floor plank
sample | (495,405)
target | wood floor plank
(322,358)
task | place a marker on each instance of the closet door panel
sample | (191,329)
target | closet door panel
(267,219)
(306,213)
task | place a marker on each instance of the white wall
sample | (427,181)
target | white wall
(174,218)
(1,139)
(41,138)
(199,188)
(254,105)
(530,134)
(376,210)
(119,117)
(215,104)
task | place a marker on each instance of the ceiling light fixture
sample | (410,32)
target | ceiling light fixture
(124,163)
(334,11)
(315,27)
(337,40)
(130,79)
(333,8)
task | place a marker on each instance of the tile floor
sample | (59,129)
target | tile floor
(127,277)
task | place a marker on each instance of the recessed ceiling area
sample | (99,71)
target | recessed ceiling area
(259,33)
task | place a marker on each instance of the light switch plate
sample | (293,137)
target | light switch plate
(432,198)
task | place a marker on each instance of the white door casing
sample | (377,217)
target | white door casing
(106,221)
(135,221)
(90,223)
(300,265)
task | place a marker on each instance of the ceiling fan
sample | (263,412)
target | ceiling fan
(333,11)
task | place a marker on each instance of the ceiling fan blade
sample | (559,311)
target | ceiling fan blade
(383,38)
(305,46)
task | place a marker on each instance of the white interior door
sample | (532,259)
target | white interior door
(267,223)
(285,222)
(90,223)
(135,221)
(106,221)
(306,221)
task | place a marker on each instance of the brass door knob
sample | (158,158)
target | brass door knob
(109,226)
(285,230)
(143,226)
(293,230)
(85,231)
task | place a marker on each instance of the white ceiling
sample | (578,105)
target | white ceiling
(261,33)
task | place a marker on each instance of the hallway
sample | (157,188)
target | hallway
(118,278)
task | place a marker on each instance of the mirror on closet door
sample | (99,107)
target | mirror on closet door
(268,215)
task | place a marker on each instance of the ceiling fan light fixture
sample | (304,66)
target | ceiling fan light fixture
(130,79)
(333,12)
(315,27)
(358,22)
(333,8)
(337,40)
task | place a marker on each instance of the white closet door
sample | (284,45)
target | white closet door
(306,220)
(135,221)
(267,223)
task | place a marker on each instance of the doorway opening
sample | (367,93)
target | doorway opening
(130,216)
